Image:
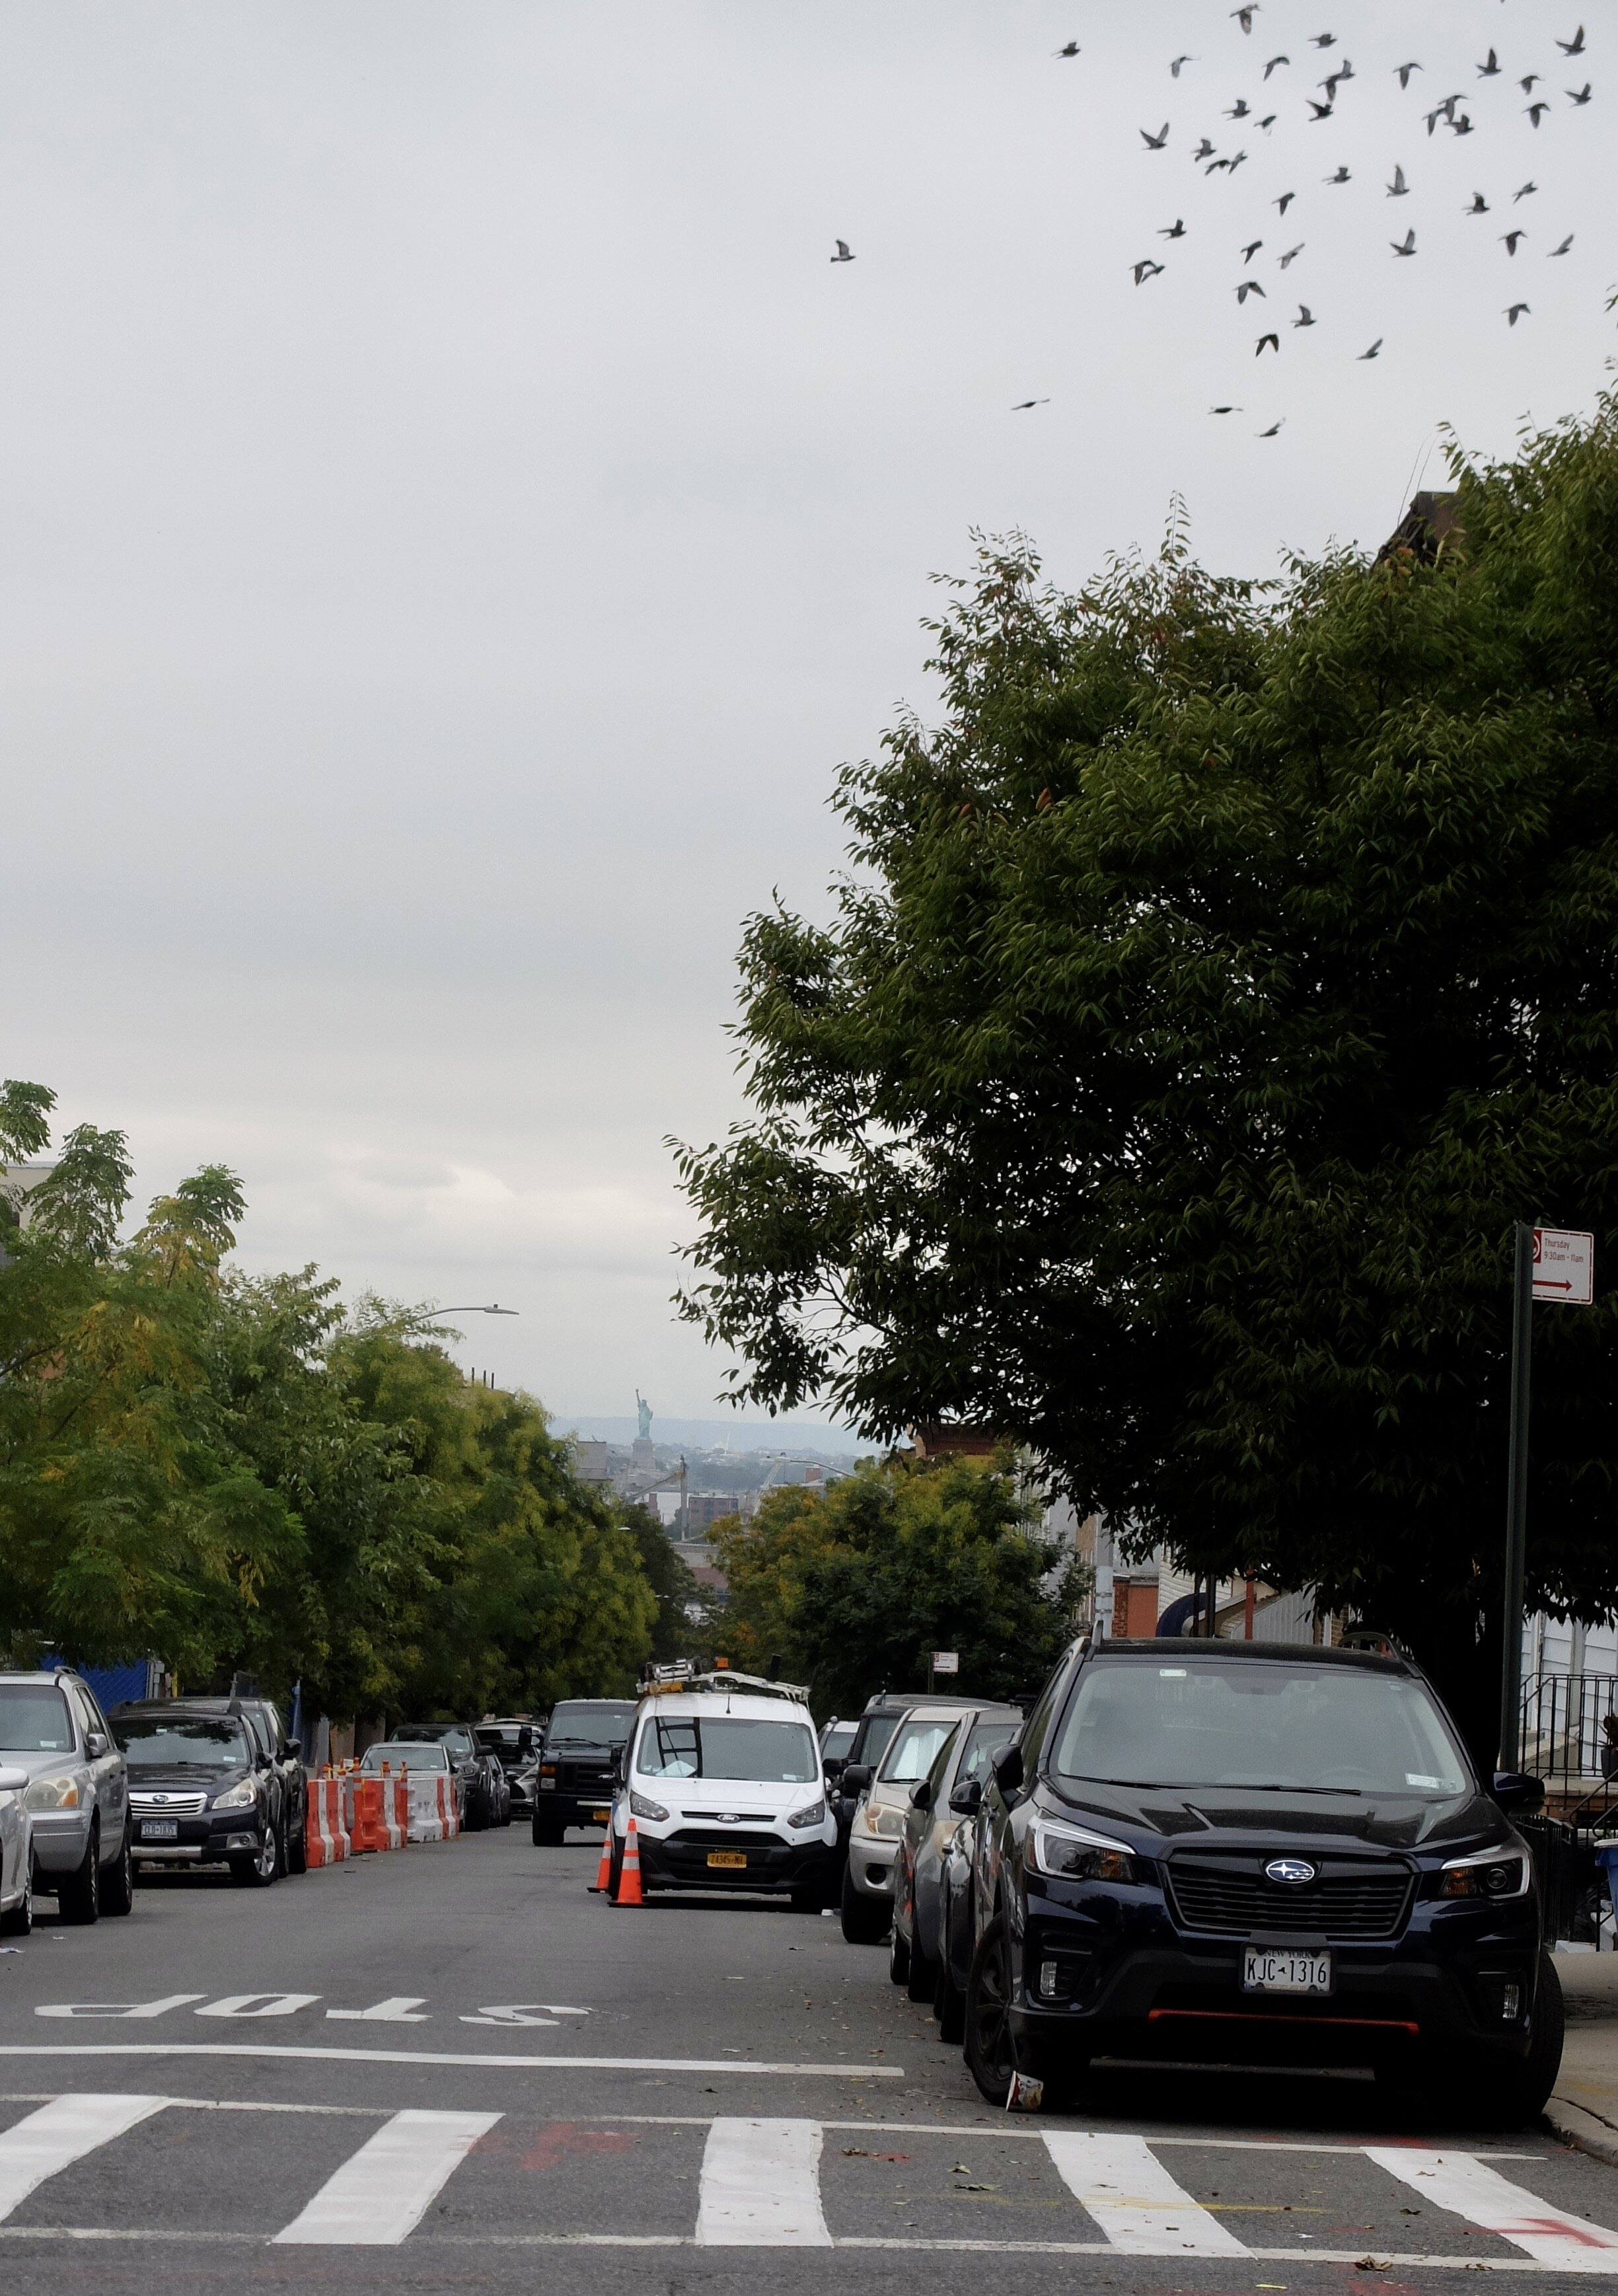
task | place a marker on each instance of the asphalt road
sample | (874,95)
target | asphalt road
(454,2070)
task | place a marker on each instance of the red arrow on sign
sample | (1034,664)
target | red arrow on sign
(1548,1283)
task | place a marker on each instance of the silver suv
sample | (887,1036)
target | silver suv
(77,1797)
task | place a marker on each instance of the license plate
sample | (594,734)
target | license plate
(730,1858)
(1279,1968)
(159,1829)
(602,1816)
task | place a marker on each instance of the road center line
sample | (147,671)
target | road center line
(447,2057)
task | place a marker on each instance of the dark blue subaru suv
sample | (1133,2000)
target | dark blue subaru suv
(1256,1853)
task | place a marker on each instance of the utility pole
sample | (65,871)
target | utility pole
(1517,1501)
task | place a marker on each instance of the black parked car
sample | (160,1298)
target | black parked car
(204,1789)
(1256,1852)
(271,1725)
(485,1798)
(578,1764)
(513,1742)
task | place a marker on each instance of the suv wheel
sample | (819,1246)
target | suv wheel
(477,1810)
(117,1882)
(991,2052)
(78,1893)
(864,1920)
(259,1871)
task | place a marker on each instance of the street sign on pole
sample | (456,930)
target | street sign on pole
(1557,1264)
(946,1661)
(1563,1266)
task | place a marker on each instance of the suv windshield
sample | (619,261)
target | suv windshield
(916,1747)
(727,1746)
(187,1742)
(33,1720)
(1291,1729)
(574,1725)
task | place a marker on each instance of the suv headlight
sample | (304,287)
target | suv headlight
(815,1814)
(1070,1854)
(1487,1874)
(881,1817)
(240,1796)
(644,1807)
(51,1794)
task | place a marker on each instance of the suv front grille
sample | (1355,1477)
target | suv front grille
(582,1778)
(167,1805)
(1233,1897)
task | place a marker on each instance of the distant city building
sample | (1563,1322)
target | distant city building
(590,1462)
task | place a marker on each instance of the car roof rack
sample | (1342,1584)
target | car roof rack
(681,1675)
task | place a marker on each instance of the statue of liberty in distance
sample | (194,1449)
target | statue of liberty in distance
(645,1409)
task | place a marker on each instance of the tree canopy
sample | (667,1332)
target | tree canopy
(1215,985)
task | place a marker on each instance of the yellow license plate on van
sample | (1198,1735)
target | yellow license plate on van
(601,1815)
(730,1858)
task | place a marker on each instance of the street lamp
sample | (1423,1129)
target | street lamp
(438,1315)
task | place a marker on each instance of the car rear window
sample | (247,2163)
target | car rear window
(916,1745)
(33,1719)
(1259,1725)
(405,1753)
(727,1746)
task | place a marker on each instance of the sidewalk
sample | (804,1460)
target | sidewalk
(1584,2106)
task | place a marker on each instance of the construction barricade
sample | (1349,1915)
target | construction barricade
(424,1819)
(447,1812)
(326,1837)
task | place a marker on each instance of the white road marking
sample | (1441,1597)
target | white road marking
(447,2057)
(61,2133)
(117,2008)
(1134,2199)
(1462,2182)
(397,2009)
(380,2195)
(257,2005)
(761,2187)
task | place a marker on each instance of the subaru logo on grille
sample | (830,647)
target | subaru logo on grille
(1293,1870)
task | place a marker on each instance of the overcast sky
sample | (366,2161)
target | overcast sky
(456,519)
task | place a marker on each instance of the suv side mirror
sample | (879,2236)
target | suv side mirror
(856,1777)
(1513,1791)
(835,1765)
(966,1799)
(1007,1767)
(96,1745)
(13,1779)
(920,1795)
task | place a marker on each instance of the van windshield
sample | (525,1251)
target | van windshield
(1261,1726)
(727,1746)
(578,1724)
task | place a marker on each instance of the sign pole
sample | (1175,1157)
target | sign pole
(1517,1502)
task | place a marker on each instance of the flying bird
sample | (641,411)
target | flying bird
(1271,431)
(1175,65)
(1146,270)
(1523,194)
(1575,47)
(845,253)
(1072,49)
(1510,239)
(1245,16)
(1214,165)
(1567,243)
(1405,246)
(1490,69)
(1155,142)
(1404,71)
(1225,410)
(1582,95)
(1274,60)
(1480,205)
(1444,110)
(1248,287)
(1204,150)
(1515,312)
(1273,340)
(1462,126)
(1342,177)
(1251,250)
(1175,230)
(1527,85)
(1233,164)
(1324,39)
(1320,111)
(1398,187)
(1023,404)
(1305,318)
(1285,260)
(1268,122)
(1374,350)
(1240,110)
(1285,201)
(1537,111)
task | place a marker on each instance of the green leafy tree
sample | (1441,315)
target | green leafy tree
(851,1587)
(1217,983)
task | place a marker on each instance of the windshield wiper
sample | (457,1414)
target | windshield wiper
(1207,1785)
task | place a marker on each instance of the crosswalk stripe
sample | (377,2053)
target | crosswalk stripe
(1463,2184)
(762,2186)
(1124,2186)
(61,2133)
(382,2192)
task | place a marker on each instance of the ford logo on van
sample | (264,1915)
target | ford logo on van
(1295,1871)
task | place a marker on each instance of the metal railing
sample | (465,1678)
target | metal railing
(1564,1739)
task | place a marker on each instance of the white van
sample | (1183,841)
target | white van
(722,1775)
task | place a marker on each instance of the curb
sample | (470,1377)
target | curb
(1576,2125)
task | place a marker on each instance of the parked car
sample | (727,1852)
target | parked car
(836,1743)
(204,1789)
(1253,1852)
(578,1764)
(879,1815)
(952,1789)
(424,1755)
(481,1790)
(513,1741)
(270,1723)
(722,1776)
(76,1794)
(871,1733)
(16,1852)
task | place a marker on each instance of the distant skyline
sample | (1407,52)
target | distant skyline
(458,518)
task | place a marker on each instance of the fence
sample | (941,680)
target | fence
(1563,1737)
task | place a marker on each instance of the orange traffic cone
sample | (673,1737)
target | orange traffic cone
(628,1872)
(604,1872)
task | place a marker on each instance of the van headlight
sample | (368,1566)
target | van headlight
(1069,1854)
(51,1794)
(240,1796)
(1487,1874)
(815,1814)
(644,1807)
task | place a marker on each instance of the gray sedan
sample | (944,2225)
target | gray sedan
(937,1805)
(77,1795)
